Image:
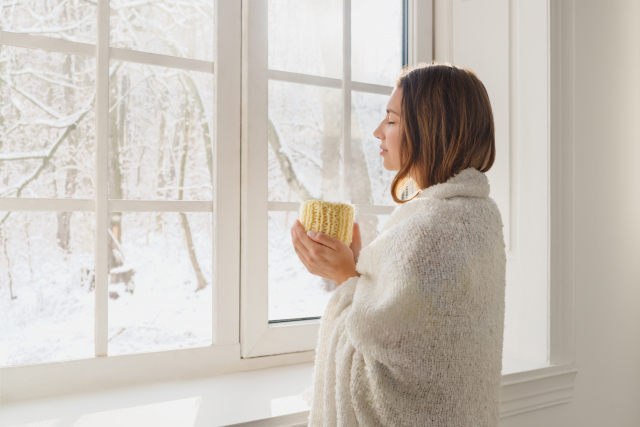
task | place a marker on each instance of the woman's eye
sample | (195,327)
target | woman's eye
(390,123)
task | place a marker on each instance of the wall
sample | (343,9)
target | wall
(607,221)
(507,50)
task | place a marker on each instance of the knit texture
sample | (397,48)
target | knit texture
(416,339)
(332,218)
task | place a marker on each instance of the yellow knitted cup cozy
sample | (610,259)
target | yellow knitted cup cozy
(334,219)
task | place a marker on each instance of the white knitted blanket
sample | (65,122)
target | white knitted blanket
(416,340)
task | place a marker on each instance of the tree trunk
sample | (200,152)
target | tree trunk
(206,132)
(202,283)
(161,178)
(116,120)
(6,254)
(286,166)
(64,218)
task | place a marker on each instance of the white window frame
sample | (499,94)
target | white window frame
(241,233)
(30,381)
(259,337)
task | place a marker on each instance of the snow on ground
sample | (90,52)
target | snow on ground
(52,318)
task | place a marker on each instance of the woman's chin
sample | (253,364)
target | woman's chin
(384,165)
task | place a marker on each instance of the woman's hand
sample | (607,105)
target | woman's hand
(323,255)
(356,242)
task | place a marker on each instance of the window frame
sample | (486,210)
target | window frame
(224,206)
(260,337)
(521,391)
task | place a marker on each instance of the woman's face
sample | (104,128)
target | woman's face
(388,132)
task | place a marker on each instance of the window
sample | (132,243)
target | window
(151,164)
(320,77)
(106,184)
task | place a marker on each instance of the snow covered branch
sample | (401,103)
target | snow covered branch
(17,189)
(23,156)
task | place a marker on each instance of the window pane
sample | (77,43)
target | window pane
(370,226)
(47,124)
(46,287)
(376,41)
(160,133)
(370,181)
(293,291)
(160,272)
(304,142)
(170,27)
(305,36)
(62,19)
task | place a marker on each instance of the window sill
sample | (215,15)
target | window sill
(218,400)
(259,398)
(527,390)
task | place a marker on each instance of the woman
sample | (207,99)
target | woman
(413,334)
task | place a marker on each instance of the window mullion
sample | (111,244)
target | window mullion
(45,43)
(101,206)
(158,59)
(346,99)
(28,204)
(371,88)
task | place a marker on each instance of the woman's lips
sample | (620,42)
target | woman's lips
(382,152)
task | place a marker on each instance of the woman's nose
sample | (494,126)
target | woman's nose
(378,134)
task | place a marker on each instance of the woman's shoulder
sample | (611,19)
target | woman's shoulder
(434,212)
(433,222)
(453,228)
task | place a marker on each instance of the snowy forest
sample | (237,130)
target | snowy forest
(160,140)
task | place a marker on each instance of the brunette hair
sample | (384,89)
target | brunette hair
(446,125)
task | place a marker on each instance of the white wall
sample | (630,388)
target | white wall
(607,162)
(509,42)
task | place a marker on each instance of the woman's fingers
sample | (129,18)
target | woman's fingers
(356,232)
(302,258)
(356,241)
(296,245)
(300,248)
(305,241)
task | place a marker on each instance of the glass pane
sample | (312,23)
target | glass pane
(170,27)
(304,142)
(370,181)
(46,287)
(160,133)
(305,36)
(160,272)
(370,226)
(293,291)
(61,19)
(376,41)
(47,124)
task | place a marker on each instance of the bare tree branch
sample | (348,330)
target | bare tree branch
(286,166)
(23,156)
(59,30)
(134,4)
(117,102)
(44,77)
(32,99)
(18,188)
